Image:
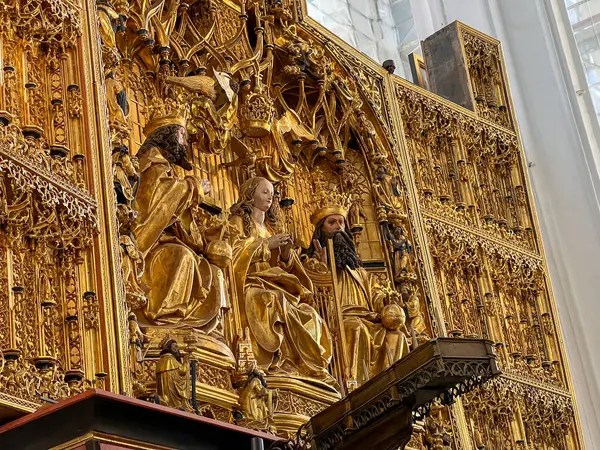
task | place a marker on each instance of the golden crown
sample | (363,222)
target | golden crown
(328,199)
(169,112)
(257,113)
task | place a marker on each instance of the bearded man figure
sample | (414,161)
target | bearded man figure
(172,377)
(182,287)
(373,344)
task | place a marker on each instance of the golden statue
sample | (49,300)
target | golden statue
(213,107)
(372,327)
(288,336)
(256,401)
(107,15)
(118,107)
(136,339)
(414,314)
(172,377)
(132,260)
(125,175)
(182,287)
(387,192)
(399,248)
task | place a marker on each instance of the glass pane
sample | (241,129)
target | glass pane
(382,29)
(584,16)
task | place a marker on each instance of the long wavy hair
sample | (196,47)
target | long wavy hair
(243,206)
(167,140)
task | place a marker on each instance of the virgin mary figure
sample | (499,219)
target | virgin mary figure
(288,336)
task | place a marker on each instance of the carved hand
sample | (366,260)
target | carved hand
(320,252)
(373,317)
(213,233)
(279,240)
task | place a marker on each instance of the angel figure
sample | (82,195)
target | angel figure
(213,109)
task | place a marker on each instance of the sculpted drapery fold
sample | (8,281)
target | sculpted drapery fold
(373,321)
(288,335)
(266,92)
(182,286)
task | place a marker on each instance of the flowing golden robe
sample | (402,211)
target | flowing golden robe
(255,401)
(286,334)
(372,347)
(183,288)
(171,383)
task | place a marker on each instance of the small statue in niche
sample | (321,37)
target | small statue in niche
(136,346)
(118,108)
(256,400)
(108,22)
(355,211)
(388,194)
(136,339)
(125,175)
(399,247)
(132,260)
(280,9)
(172,377)
(436,435)
(366,129)
(414,314)
(107,26)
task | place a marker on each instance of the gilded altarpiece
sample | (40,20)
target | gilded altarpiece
(135,130)
(56,319)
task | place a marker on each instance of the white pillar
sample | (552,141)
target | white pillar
(559,133)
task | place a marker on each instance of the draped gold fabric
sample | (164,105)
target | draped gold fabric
(183,288)
(171,383)
(288,336)
(255,402)
(372,347)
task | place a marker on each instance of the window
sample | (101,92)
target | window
(382,29)
(584,16)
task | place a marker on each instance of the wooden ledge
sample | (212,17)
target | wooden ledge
(104,413)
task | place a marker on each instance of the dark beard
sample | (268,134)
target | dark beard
(177,355)
(167,140)
(344,250)
(172,351)
(178,155)
(343,247)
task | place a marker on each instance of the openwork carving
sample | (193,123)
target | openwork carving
(487,77)
(199,97)
(490,277)
(46,21)
(48,218)
(291,403)
(467,171)
(520,413)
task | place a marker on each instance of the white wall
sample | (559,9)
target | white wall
(559,133)
(381,29)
